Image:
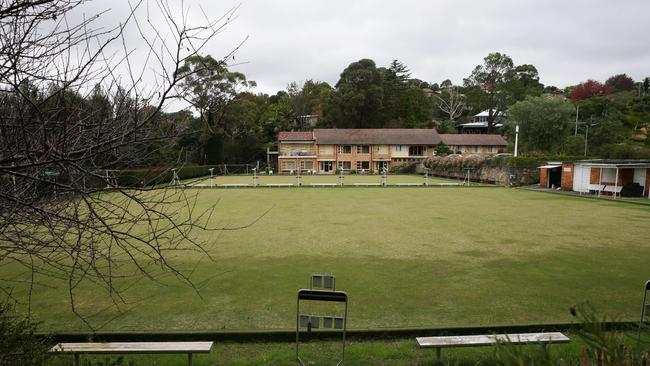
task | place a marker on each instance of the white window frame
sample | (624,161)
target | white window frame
(359,167)
(340,163)
(360,147)
(341,150)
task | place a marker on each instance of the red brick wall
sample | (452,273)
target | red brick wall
(567,176)
(543,177)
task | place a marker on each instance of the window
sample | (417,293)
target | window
(345,165)
(288,165)
(365,165)
(493,149)
(397,147)
(363,149)
(475,149)
(416,150)
(345,149)
(325,166)
(326,149)
(306,165)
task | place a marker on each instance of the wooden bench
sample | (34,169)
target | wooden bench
(230,185)
(323,184)
(613,189)
(488,340)
(447,184)
(78,349)
(279,185)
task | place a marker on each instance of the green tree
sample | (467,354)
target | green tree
(498,83)
(357,100)
(544,123)
(442,149)
(620,82)
(209,87)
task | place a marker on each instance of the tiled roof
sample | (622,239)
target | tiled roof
(296,136)
(374,136)
(473,140)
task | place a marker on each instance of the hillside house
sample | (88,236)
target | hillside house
(479,124)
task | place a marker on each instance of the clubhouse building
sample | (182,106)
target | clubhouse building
(609,177)
(323,151)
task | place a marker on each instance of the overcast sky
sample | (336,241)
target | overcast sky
(291,40)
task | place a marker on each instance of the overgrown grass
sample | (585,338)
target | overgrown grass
(407,258)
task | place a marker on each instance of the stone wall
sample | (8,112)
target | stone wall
(501,176)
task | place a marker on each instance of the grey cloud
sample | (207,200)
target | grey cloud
(297,40)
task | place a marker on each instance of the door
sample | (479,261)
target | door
(326,166)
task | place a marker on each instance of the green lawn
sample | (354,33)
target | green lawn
(307,180)
(407,258)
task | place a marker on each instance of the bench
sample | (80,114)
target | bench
(488,340)
(596,187)
(227,185)
(323,184)
(78,349)
(279,185)
(613,189)
(449,184)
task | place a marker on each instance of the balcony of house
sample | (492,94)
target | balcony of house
(297,150)
(417,152)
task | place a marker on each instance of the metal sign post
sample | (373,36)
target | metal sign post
(645,314)
(311,321)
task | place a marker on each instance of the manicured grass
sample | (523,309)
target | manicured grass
(307,180)
(407,258)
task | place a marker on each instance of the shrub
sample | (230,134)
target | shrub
(19,344)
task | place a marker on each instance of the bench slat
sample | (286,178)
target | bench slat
(134,347)
(490,340)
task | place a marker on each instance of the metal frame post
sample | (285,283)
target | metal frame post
(616,183)
(644,305)
(320,295)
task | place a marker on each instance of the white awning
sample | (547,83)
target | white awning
(548,166)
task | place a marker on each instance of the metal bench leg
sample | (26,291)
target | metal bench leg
(438,357)
(189,359)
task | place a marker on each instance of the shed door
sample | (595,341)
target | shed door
(581,175)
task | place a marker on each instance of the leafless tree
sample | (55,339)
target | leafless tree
(452,103)
(63,213)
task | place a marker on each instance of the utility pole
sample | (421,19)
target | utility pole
(577,112)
